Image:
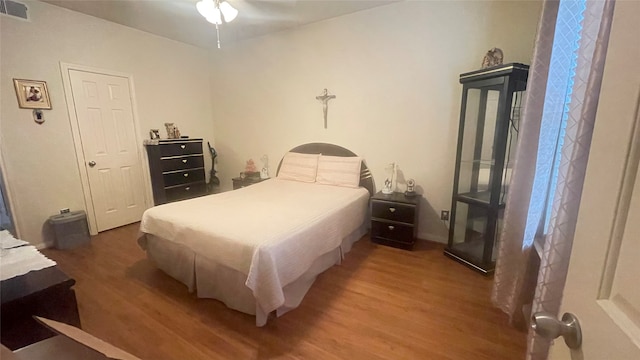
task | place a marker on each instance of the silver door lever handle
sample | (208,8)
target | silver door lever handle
(549,327)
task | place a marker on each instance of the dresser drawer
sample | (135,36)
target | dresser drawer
(185,191)
(393,211)
(390,231)
(180,148)
(181,163)
(183,177)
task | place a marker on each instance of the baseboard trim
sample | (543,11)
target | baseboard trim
(432,237)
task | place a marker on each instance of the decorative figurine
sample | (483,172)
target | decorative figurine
(250,170)
(250,167)
(264,173)
(493,57)
(411,192)
(389,187)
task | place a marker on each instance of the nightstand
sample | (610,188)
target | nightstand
(394,219)
(240,182)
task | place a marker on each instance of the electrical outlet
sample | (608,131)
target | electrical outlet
(444,215)
(64,211)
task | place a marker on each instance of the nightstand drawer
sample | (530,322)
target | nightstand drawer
(180,163)
(393,211)
(183,177)
(186,191)
(180,148)
(390,231)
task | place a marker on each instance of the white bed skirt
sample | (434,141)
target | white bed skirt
(215,281)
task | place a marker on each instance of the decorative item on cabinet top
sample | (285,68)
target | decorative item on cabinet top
(177,169)
(493,57)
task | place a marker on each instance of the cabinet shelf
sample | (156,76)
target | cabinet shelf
(481,198)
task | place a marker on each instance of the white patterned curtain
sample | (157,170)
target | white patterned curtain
(552,153)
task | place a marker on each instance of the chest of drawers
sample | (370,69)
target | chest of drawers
(394,219)
(177,170)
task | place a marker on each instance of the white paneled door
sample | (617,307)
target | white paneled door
(603,283)
(107,131)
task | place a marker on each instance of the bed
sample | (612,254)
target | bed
(259,249)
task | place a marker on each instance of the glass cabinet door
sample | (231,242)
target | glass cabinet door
(478,143)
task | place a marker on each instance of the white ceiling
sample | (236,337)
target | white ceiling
(179,19)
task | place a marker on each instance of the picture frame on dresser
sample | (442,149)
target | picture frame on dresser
(177,169)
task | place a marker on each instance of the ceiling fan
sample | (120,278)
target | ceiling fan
(215,11)
(218,12)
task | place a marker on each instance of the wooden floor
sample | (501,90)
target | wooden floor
(381,303)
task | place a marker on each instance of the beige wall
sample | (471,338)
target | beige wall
(41,171)
(394,70)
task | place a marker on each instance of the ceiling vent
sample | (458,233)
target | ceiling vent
(14,8)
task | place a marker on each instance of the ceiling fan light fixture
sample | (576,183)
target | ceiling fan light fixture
(214,11)
(228,11)
(206,7)
(215,17)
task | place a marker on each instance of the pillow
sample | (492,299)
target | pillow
(299,167)
(339,171)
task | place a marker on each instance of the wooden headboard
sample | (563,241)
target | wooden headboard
(366,180)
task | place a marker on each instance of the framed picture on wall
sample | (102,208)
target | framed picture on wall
(32,94)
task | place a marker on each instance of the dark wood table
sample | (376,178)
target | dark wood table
(47,293)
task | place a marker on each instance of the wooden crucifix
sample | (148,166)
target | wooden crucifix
(325,97)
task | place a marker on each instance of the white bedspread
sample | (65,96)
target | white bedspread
(271,231)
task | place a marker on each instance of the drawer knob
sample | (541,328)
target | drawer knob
(392,209)
(183,146)
(184,161)
(391,227)
(185,175)
(187,188)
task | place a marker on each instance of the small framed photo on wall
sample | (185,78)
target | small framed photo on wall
(32,94)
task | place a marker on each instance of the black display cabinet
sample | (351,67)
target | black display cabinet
(492,99)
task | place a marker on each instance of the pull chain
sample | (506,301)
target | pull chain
(218,34)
